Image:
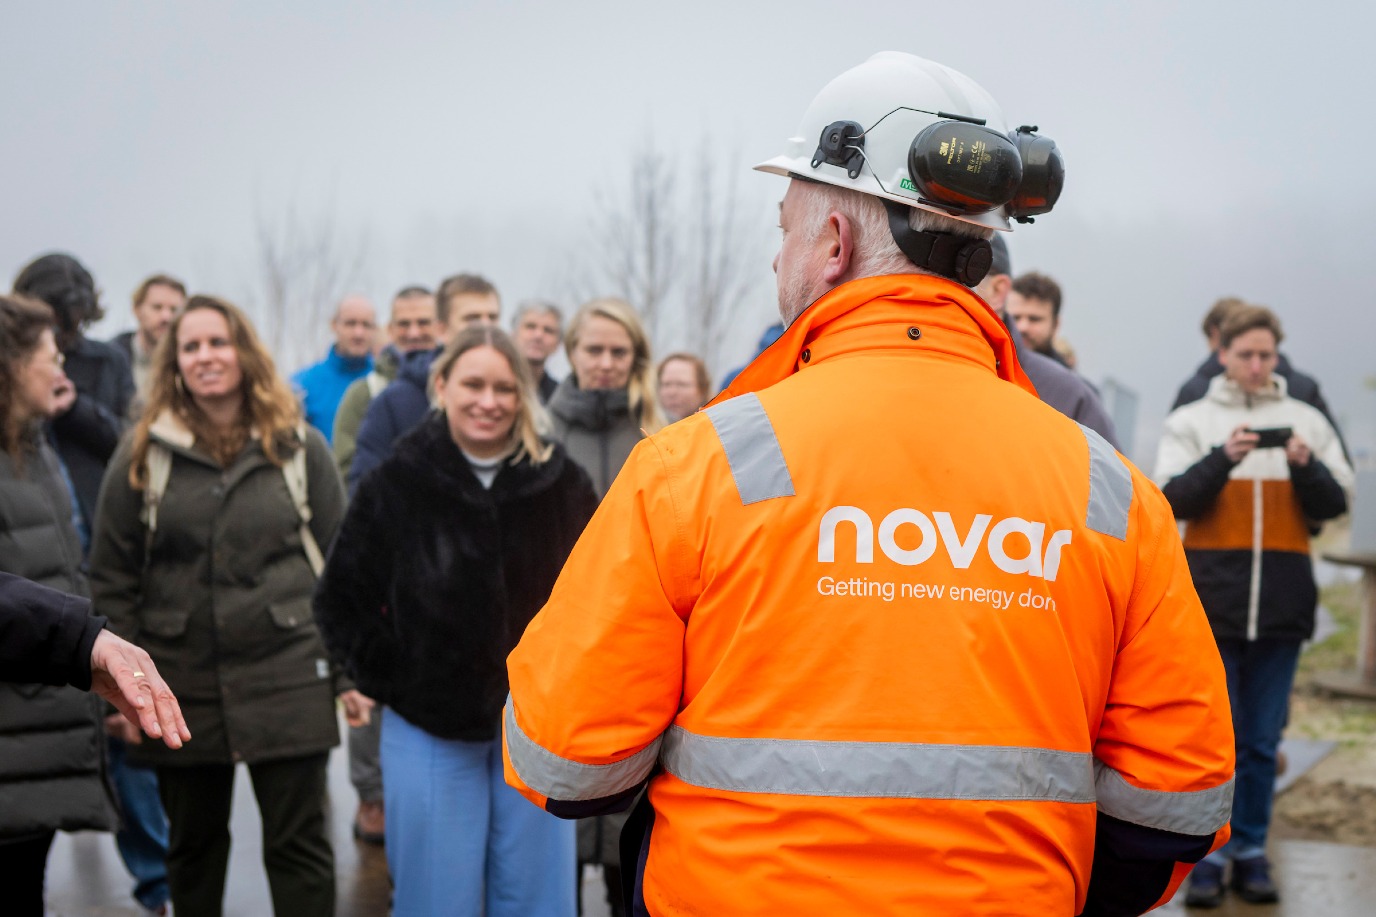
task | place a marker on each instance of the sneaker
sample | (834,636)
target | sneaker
(370,823)
(1252,880)
(1206,886)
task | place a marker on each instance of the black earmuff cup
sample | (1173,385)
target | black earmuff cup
(970,168)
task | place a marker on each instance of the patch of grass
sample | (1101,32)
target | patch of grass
(1339,651)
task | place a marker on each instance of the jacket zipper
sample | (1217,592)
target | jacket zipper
(1254,589)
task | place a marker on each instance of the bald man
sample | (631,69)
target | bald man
(321,386)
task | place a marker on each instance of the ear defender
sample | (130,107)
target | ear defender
(1043,175)
(962,166)
(959,165)
(965,166)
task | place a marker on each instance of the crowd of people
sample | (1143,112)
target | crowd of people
(378,532)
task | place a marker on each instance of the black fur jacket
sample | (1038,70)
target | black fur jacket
(433,579)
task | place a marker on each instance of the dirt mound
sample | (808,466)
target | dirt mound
(1336,812)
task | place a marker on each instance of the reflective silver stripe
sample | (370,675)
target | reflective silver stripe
(752,449)
(891,770)
(1199,812)
(559,778)
(1110,488)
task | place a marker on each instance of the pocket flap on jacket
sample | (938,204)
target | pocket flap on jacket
(292,613)
(165,622)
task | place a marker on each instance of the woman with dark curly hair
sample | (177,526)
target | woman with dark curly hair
(50,737)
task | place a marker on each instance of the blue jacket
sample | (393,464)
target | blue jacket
(321,386)
(401,406)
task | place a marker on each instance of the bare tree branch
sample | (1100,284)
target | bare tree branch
(305,265)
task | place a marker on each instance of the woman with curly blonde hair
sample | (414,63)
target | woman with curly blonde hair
(211,516)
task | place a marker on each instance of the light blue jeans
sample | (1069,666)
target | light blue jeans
(142,837)
(459,840)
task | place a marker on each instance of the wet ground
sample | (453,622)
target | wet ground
(87,879)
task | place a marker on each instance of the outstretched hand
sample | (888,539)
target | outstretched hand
(125,675)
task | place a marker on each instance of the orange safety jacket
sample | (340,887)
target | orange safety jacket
(885,635)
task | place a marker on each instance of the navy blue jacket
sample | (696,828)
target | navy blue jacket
(400,407)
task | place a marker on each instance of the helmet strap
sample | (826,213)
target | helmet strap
(960,258)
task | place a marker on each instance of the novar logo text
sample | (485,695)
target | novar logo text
(1041,560)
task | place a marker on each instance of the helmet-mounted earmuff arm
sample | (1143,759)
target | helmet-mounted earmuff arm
(961,258)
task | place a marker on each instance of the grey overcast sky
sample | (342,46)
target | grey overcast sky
(1212,148)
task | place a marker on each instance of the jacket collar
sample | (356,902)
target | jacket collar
(348,365)
(875,313)
(1227,392)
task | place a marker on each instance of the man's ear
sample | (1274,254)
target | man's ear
(996,288)
(840,247)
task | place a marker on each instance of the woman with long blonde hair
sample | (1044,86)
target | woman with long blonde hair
(608,402)
(449,548)
(210,512)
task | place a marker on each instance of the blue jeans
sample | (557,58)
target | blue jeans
(142,837)
(1260,675)
(459,840)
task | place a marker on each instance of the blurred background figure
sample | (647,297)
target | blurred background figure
(1298,385)
(683,384)
(537,329)
(53,764)
(446,553)
(1057,385)
(600,411)
(156,301)
(1248,505)
(412,327)
(1034,305)
(770,334)
(84,429)
(321,385)
(463,299)
(209,517)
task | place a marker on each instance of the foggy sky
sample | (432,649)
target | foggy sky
(1212,149)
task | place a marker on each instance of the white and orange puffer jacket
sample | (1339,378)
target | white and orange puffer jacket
(1247,525)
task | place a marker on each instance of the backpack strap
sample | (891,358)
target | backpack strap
(294,472)
(159,460)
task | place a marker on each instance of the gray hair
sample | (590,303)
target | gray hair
(874,251)
(542,306)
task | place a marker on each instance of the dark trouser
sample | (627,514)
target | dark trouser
(296,850)
(1260,674)
(365,760)
(22,868)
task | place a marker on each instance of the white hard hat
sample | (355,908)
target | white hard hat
(912,131)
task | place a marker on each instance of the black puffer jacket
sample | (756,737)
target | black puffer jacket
(433,578)
(52,766)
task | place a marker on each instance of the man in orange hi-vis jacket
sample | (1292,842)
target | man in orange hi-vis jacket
(881,632)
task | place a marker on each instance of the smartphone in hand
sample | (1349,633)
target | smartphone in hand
(1272,437)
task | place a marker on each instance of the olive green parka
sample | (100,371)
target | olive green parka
(222,599)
